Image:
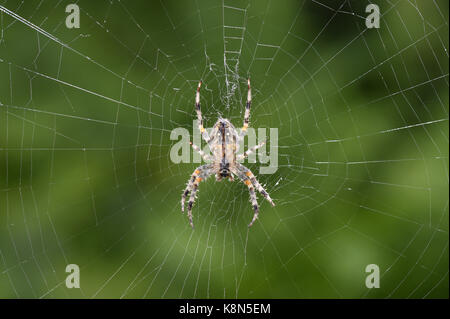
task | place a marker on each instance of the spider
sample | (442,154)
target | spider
(223,161)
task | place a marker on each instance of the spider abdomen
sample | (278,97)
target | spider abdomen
(224,140)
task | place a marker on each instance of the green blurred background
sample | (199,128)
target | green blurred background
(86,177)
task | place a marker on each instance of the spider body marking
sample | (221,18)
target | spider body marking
(223,161)
(224,145)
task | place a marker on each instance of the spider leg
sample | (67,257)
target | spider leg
(205,156)
(200,173)
(240,157)
(249,174)
(251,189)
(189,187)
(247,111)
(191,181)
(203,131)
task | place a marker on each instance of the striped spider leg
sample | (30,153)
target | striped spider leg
(201,173)
(247,111)
(244,174)
(251,150)
(247,177)
(202,130)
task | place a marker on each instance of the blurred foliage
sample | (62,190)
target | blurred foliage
(86,178)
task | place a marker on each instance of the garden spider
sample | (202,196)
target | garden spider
(224,144)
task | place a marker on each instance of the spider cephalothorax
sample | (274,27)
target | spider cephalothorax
(223,161)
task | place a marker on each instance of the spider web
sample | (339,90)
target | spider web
(86,177)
